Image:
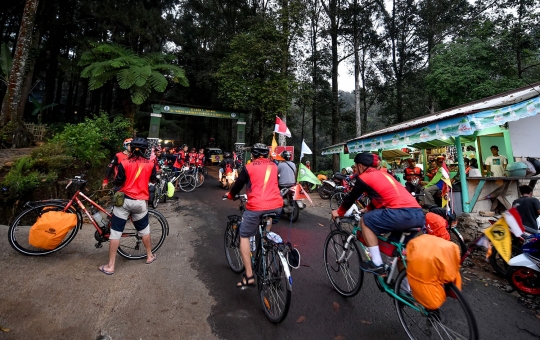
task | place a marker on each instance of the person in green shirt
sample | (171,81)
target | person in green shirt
(433,187)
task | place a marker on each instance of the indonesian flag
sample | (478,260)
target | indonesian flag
(513,219)
(282,128)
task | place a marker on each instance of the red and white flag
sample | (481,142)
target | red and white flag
(513,219)
(282,128)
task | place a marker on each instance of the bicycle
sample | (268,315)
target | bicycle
(274,280)
(342,258)
(184,180)
(131,246)
(198,172)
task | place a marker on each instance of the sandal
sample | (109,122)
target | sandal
(245,281)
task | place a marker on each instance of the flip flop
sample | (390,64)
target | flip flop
(102,269)
(152,260)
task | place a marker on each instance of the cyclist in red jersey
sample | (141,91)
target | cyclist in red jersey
(117,159)
(391,208)
(192,157)
(133,176)
(200,158)
(181,157)
(261,180)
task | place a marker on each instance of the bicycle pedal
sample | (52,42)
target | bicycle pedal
(98,245)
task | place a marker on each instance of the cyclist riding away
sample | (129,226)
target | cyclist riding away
(261,180)
(412,172)
(133,176)
(391,207)
(117,159)
(286,171)
(226,165)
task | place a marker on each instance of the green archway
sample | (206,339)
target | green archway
(159,109)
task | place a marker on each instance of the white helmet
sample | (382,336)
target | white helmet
(349,170)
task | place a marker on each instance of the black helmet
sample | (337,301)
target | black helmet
(286,155)
(139,143)
(367,159)
(259,149)
(227,155)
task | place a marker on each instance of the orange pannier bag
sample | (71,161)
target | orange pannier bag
(51,228)
(436,225)
(431,263)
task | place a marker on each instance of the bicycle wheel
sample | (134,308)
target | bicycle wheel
(19,230)
(131,246)
(187,183)
(343,265)
(232,247)
(200,179)
(455,237)
(154,198)
(453,320)
(275,288)
(336,199)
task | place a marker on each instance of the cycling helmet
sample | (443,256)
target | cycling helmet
(259,149)
(139,143)
(226,155)
(367,159)
(126,142)
(286,155)
(349,170)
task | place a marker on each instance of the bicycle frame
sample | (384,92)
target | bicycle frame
(385,285)
(83,208)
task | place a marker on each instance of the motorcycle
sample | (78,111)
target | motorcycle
(228,179)
(524,270)
(291,207)
(330,186)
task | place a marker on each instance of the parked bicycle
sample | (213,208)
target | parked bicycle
(274,280)
(182,179)
(343,253)
(131,246)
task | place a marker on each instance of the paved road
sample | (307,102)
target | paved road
(189,292)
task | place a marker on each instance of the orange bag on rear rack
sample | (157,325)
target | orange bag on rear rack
(50,229)
(432,262)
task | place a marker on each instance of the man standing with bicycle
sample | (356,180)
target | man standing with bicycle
(263,197)
(391,208)
(133,176)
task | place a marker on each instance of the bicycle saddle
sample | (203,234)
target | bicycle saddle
(270,215)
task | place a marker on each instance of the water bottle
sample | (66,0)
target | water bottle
(252,243)
(99,219)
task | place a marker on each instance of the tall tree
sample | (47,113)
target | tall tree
(21,136)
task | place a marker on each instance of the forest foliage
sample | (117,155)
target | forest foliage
(266,58)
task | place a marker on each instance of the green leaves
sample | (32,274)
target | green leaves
(139,75)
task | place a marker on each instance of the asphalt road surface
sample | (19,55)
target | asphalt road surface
(189,291)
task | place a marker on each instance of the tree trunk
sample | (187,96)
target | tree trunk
(9,113)
(29,75)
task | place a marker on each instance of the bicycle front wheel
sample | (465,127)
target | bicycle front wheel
(232,247)
(131,245)
(187,183)
(154,198)
(200,179)
(336,199)
(343,263)
(275,288)
(453,320)
(19,230)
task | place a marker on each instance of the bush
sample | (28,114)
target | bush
(82,146)
(93,139)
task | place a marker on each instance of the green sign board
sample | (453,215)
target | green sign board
(190,111)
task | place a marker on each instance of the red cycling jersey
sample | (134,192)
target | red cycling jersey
(411,173)
(199,161)
(383,191)
(261,178)
(192,157)
(180,159)
(133,176)
(113,166)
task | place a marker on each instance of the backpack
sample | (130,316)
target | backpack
(436,225)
